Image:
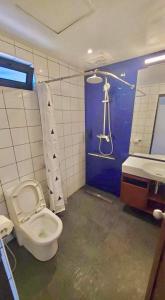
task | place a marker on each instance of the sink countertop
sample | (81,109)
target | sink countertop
(136,166)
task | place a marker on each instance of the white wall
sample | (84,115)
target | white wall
(21,152)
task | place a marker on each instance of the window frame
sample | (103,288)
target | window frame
(20,67)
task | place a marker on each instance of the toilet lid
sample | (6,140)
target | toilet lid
(27,199)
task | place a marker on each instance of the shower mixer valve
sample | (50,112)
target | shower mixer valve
(104,137)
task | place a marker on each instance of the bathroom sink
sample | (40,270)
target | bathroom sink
(146,168)
(156,170)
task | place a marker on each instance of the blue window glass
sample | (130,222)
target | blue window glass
(6,73)
(16,74)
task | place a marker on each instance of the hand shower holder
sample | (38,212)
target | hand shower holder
(105,101)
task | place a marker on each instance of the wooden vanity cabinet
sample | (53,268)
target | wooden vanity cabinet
(140,193)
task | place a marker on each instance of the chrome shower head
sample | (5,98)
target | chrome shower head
(94,79)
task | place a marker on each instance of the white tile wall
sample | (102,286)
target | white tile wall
(13,98)
(3,119)
(16,117)
(144,117)
(21,152)
(20,135)
(35,133)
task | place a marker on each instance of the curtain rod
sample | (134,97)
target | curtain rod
(132,86)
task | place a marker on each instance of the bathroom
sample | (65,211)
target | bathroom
(82,151)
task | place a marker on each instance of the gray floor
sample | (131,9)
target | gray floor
(105,253)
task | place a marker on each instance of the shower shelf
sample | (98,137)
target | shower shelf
(102,156)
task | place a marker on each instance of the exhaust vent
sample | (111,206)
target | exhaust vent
(99,60)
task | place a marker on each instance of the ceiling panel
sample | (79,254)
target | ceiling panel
(55,14)
(115,30)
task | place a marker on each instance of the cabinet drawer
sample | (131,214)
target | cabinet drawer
(134,195)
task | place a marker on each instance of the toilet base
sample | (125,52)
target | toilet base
(42,253)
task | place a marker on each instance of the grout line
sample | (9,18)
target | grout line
(20,160)
(21,126)
(16,145)
(11,136)
(2,184)
(21,108)
(29,140)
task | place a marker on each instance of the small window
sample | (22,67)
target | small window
(16,74)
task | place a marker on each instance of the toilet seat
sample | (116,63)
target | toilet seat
(28,199)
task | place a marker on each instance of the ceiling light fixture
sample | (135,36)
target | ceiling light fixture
(154,59)
(90,51)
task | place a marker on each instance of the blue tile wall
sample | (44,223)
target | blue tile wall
(102,173)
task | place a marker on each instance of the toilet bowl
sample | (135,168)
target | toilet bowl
(36,227)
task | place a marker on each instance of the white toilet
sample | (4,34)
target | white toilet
(36,227)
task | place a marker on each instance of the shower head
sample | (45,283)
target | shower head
(94,79)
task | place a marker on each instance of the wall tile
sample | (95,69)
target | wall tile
(30,100)
(7,48)
(25,167)
(22,46)
(56,87)
(19,135)
(33,117)
(16,117)
(13,99)
(68,151)
(66,116)
(3,209)
(67,129)
(2,104)
(39,53)
(2,198)
(36,149)
(54,69)
(35,133)
(10,185)
(40,65)
(40,175)
(41,78)
(8,173)
(60,130)
(66,103)
(64,71)
(22,152)
(24,54)
(58,116)
(6,156)
(57,101)
(27,177)
(38,162)
(5,138)
(3,119)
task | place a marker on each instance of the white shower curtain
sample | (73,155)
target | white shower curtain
(51,148)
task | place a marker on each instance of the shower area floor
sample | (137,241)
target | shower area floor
(105,253)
